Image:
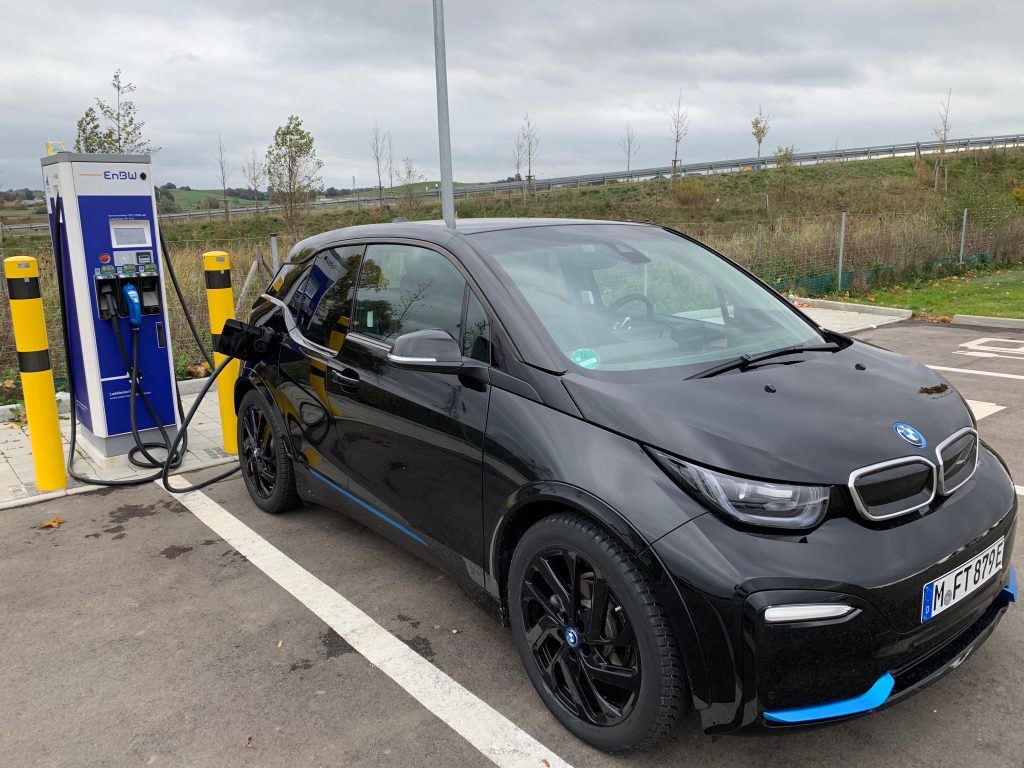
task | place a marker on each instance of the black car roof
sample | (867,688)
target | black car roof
(432,231)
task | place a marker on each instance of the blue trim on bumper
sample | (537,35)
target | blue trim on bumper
(1009,593)
(875,697)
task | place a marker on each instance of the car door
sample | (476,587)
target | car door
(411,442)
(320,302)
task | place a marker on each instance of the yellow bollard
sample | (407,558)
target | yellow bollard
(22,273)
(219,298)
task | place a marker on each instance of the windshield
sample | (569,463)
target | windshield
(626,298)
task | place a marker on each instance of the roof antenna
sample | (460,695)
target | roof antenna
(443,135)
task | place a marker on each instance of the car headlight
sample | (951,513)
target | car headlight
(754,502)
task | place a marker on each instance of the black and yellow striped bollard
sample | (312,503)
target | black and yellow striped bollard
(22,273)
(221,301)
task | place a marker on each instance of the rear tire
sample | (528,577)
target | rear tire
(594,640)
(266,467)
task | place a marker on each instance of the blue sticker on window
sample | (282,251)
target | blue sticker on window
(586,358)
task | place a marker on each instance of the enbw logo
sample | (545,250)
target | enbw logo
(124,175)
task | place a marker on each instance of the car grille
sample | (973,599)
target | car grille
(958,459)
(901,486)
(893,488)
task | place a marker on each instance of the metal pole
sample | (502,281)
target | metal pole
(842,246)
(443,135)
(963,236)
(274,261)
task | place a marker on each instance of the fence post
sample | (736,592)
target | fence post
(274,262)
(963,236)
(842,247)
(219,299)
(27,318)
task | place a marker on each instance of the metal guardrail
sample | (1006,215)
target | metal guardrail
(598,179)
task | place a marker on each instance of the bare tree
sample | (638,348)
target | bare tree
(517,156)
(378,148)
(389,159)
(759,127)
(941,132)
(680,117)
(409,177)
(255,171)
(529,139)
(225,173)
(630,144)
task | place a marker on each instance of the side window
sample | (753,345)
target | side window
(405,288)
(326,296)
(476,341)
(287,286)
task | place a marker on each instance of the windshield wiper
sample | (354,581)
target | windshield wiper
(744,360)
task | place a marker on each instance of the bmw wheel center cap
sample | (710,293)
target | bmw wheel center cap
(910,434)
(572,637)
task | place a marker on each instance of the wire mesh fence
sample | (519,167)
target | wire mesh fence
(795,255)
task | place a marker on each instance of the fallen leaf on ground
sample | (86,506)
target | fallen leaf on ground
(280,643)
(55,523)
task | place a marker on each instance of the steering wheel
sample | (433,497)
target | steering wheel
(622,301)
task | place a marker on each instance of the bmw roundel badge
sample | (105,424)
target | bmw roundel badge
(910,434)
(572,637)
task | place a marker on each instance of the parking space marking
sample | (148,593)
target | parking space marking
(494,735)
(981,409)
(1019,489)
(977,373)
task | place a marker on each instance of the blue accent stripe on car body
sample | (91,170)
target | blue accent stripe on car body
(874,697)
(1009,593)
(366,506)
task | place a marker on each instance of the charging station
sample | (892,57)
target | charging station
(106,237)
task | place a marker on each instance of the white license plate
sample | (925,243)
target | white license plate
(962,581)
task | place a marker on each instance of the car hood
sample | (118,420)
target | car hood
(823,418)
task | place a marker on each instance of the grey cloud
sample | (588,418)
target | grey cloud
(866,72)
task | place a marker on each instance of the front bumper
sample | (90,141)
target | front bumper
(785,674)
(891,687)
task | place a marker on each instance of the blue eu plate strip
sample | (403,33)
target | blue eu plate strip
(366,506)
(1009,593)
(874,697)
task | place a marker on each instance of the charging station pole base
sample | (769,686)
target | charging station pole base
(112,452)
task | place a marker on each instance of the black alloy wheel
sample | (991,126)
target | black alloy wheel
(580,637)
(266,467)
(595,642)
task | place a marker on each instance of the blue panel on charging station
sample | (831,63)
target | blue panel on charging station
(97,214)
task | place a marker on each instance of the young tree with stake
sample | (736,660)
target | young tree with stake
(759,127)
(680,118)
(293,169)
(630,144)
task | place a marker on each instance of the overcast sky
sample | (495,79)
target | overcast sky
(855,73)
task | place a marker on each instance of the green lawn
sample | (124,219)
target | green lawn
(996,293)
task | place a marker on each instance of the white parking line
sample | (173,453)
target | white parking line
(977,373)
(1019,489)
(981,408)
(494,735)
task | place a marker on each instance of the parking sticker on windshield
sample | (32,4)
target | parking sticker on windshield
(586,358)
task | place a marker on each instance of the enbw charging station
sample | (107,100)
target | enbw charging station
(106,238)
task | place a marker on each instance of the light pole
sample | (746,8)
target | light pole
(443,134)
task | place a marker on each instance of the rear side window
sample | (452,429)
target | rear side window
(327,296)
(405,288)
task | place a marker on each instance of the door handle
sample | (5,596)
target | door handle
(346,378)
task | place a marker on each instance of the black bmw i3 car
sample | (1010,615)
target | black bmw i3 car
(675,487)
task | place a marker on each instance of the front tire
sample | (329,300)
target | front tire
(266,467)
(594,640)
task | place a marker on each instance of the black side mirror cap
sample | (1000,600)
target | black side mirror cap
(251,343)
(430,350)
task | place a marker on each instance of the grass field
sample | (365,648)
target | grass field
(784,227)
(996,293)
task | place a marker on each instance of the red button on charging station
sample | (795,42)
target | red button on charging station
(104,258)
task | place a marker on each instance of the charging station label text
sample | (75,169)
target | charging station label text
(114,175)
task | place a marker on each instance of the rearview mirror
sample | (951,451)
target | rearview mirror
(428,350)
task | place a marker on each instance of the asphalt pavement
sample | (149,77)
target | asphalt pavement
(134,634)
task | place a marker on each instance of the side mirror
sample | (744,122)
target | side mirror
(251,343)
(430,350)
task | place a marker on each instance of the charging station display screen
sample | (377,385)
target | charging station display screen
(129,236)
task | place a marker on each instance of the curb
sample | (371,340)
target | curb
(988,322)
(846,306)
